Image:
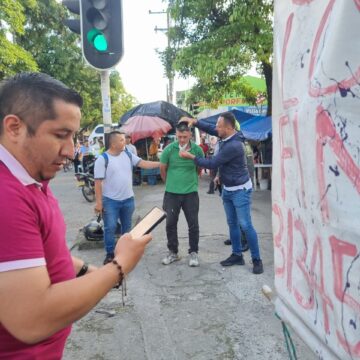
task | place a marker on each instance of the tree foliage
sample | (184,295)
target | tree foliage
(56,51)
(217,41)
(13,58)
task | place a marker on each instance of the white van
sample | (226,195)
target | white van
(98,133)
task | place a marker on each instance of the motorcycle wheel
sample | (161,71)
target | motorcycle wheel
(88,192)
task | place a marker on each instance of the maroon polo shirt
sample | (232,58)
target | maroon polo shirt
(32,234)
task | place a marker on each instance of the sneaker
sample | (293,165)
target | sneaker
(194,259)
(257,266)
(227,242)
(233,259)
(170,258)
(108,258)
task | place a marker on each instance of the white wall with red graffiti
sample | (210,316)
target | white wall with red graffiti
(316,172)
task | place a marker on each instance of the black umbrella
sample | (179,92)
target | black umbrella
(162,109)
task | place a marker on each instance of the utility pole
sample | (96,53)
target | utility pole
(100,26)
(170,87)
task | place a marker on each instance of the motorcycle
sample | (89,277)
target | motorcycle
(87,183)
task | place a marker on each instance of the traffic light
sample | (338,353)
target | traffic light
(100,26)
(101,32)
(194,109)
(74,7)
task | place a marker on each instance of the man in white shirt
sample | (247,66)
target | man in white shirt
(129,145)
(113,188)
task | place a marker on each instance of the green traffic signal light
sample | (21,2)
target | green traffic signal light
(101,32)
(100,43)
(98,40)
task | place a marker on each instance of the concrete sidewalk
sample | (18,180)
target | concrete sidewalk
(178,312)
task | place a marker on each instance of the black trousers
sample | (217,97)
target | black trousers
(212,184)
(172,205)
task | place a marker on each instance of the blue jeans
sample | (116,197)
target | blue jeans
(114,210)
(237,205)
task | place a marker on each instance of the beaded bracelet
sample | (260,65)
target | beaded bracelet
(122,281)
(84,269)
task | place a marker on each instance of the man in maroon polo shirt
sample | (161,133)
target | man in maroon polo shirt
(41,291)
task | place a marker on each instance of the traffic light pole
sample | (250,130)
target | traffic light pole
(100,25)
(106,104)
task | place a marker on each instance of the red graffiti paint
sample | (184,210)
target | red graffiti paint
(315,274)
(350,349)
(340,249)
(306,303)
(346,83)
(310,264)
(357,3)
(293,101)
(279,270)
(297,146)
(286,153)
(290,249)
(318,281)
(326,134)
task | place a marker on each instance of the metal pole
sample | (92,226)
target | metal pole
(170,86)
(171,78)
(106,104)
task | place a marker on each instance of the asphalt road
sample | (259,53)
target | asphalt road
(178,312)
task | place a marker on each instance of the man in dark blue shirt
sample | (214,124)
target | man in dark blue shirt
(237,185)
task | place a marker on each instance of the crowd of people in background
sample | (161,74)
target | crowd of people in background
(86,152)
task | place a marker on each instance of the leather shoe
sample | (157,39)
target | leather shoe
(108,258)
(233,259)
(245,246)
(258,267)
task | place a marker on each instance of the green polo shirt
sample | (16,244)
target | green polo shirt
(182,175)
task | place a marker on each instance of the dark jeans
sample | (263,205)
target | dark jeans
(173,203)
(76,165)
(237,205)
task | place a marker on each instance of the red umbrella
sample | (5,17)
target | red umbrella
(140,127)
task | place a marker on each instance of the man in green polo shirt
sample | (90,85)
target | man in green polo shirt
(181,179)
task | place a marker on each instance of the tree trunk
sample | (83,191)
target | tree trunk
(267,72)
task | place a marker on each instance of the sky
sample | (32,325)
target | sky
(140,68)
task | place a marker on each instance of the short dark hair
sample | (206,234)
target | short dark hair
(30,96)
(113,134)
(182,126)
(229,118)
